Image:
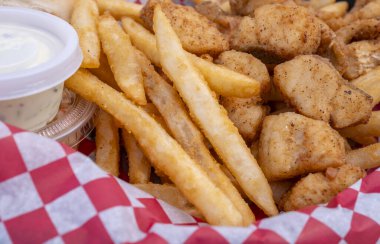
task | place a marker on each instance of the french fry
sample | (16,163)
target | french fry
(174,112)
(370,83)
(84,20)
(122,59)
(152,111)
(107,143)
(222,80)
(142,39)
(210,116)
(233,180)
(334,10)
(239,85)
(365,140)
(120,8)
(139,167)
(171,195)
(162,151)
(366,158)
(372,128)
(104,72)
(164,179)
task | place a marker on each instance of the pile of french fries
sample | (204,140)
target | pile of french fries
(165,101)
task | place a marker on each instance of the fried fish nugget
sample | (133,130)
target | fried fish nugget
(292,145)
(244,7)
(284,31)
(313,86)
(248,65)
(246,115)
(197,34)
(319,188)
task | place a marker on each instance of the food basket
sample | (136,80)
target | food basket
(50,193)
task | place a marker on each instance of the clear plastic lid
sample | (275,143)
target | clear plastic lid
(74,121)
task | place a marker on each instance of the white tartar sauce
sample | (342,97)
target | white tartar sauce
(25,47)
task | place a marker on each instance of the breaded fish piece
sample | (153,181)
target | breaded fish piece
(320,188)
(246,7)
(292,144)
(246,115)
(351,106)
(315,89)
(246,64)
(198,35)
(278,30)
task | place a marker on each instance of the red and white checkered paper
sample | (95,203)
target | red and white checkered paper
(51,193)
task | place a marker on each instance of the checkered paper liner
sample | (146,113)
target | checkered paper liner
(51,193)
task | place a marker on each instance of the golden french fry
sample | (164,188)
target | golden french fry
(164,179)
(139,167)
(238,85)
(171,195)
(162,151)
(152,111)
(222,80)
(120,8)
(233,180)
(174,112)
(334,10)
(365,140)
(142,39)
(122,59)
(370,83)
(210,116)
(372,128)
(104,72)
(107,143)
(366,158)
(84,19)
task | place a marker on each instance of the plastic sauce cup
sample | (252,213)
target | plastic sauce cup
(38,52)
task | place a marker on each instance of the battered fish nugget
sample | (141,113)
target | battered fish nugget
(292,145)
(315,89)
(320,188)
(244,7)
(282,31)
(358,57)
(246,114)
(198,35)
(246,64)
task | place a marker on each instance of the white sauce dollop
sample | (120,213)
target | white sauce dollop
(22,47)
